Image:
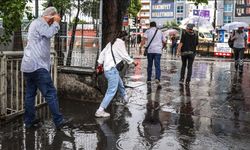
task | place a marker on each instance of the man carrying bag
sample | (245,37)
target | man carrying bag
(155,40)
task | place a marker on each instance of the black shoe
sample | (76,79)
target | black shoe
(35,124)
(240,72)
(187,83)
(64,123)
(181,81)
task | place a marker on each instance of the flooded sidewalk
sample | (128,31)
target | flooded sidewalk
(212,113)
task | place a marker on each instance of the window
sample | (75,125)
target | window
(247,11)
(179,9)
(239,11)
(179,19)
(179,1)
(240,2)
(228,7)
(227,19)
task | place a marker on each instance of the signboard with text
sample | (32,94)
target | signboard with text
(162,8)
(202,13)
(222,49)
(242,8)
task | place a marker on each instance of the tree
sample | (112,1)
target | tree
(134,7)
(113,13)
(63,7)
(197,2)
(91,8)
(171,24)
(72,40)
(12,16)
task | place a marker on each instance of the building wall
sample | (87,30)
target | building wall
(188,6)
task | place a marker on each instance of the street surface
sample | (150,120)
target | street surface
(212,113)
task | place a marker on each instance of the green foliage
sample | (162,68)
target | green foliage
(91,8)
(62,6)
(197,2)
(79,22)
(12,12)
(171,24)
(135,7)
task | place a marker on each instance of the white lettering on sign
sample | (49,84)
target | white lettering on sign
(162,14)
(159,7)
(222,47)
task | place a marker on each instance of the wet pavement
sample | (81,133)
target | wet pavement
(212,113)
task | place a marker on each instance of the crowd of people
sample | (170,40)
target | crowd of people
(36,62)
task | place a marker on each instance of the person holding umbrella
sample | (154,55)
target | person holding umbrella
(174,45)
(239,46)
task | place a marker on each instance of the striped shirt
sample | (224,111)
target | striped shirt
(37,51)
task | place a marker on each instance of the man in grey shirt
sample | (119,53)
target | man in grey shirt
(240,45)
(36,67)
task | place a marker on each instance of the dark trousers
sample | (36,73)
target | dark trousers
(187,61)
(40,79)
(156,58)
(238,58)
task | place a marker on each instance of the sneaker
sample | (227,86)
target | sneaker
(181,81)
(35,123)
(125,100)
(65,122)
(157,81)
(101,114)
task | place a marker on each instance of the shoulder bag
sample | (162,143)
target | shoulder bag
(118,66)
(146,49)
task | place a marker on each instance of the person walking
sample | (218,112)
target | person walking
(187,50)
(155,41)
(109,62)
(174,45)
(239,46)
(36,67)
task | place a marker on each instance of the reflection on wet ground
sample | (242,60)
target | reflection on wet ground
(212,113)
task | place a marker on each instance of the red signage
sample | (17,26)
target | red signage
(248,39)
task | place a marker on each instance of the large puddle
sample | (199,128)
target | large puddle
(212,113)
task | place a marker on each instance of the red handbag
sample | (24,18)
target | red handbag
(99,69)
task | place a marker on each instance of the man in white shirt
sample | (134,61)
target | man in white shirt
(154,50)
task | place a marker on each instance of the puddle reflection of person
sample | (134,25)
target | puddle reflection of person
(237,97)
(186,133)
(152,125)
(111,129)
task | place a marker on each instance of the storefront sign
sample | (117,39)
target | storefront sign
(242,8)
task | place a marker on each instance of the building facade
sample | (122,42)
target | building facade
(226,11)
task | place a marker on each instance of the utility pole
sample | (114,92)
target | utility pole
(214,21)
(36,8)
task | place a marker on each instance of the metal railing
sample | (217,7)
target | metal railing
(12,85)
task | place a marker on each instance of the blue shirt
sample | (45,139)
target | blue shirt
(37,51)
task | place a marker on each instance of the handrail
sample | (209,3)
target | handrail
(12,94)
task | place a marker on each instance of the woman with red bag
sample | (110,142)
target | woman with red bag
(114,52)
